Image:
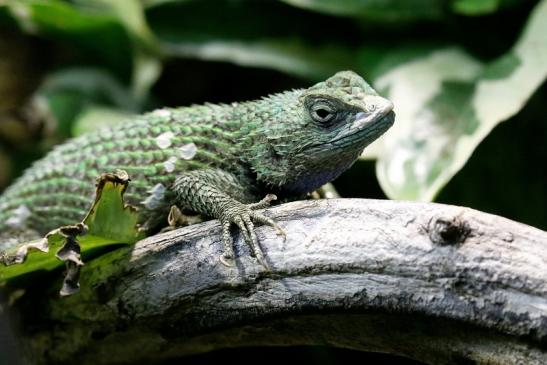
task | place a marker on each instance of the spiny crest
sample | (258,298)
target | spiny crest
(346,85)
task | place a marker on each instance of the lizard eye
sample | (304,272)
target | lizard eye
(322,112)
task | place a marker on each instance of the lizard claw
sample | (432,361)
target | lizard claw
(243,216)
(227,260)
(270,222)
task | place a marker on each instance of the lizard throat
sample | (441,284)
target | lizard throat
(319,176)
(309,183)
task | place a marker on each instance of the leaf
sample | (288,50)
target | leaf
(110,218)
(146,52)
(289,56)
(109,221)
(224,35)
(96,117)
(73,91)
(131,15)
(447,103)
(377,10)
(147,69)
(481,7)
(99,35)
(401,10)
(114,31)
(91,85)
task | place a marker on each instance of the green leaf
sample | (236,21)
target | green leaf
(96,117)
(447,103)
(481,7)
(110,218)
(224,35)
(289,56)
(70,93)
(147,69)
(146,51)
(99,35)
(109,221)
(92,85)
(377,10)
(115,31)
(131,14)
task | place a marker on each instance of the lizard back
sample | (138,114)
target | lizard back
(58,189)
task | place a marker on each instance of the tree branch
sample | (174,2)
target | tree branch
(441,284)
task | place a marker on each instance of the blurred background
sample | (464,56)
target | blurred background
(466,77)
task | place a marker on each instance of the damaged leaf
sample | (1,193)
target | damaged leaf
(109,221)
(109,217)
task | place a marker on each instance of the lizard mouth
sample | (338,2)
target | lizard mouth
(351,139)
(371,124)
(365,129)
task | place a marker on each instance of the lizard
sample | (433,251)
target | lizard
(217,160)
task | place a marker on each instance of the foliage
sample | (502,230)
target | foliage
(454,68)
(109,221)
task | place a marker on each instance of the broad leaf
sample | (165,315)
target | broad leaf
(109,221)
(110,218)
(377,10)
(481,7)
(401,10)
(447,103)
(146,52)
(223,35)
(72,93)
(96,117)
(99,34)
(114,31)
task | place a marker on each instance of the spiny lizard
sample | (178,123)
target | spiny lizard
(216,160)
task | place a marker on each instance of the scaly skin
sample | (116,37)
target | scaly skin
(211,159)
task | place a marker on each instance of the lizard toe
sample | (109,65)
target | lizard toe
(261,218)
(227,260)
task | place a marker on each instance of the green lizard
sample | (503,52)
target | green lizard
(216,160)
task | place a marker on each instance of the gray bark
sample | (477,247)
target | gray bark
(437,283)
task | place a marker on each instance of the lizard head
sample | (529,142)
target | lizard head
(308,137)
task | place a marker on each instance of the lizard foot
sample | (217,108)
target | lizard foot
(243,215)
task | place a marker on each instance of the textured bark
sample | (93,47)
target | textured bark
(441,284)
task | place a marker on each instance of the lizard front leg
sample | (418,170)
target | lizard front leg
(219,194)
